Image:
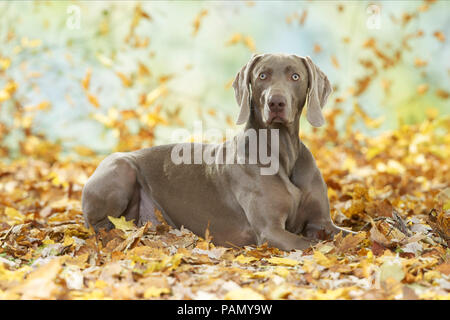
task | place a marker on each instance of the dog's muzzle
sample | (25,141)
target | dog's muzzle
(277,109)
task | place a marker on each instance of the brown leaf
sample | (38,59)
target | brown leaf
(40,284)
(350,242)
(444,268)
(377,248)
(379,208)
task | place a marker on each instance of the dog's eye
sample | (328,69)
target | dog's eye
(295,77)
(262,76)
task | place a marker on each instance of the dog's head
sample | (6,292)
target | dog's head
(277,87)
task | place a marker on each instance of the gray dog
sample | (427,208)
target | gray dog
(240,205)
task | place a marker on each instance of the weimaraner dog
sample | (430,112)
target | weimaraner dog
(235,201)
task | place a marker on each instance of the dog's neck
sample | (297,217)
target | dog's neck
(289,141)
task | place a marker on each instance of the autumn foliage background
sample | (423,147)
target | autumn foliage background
(79,80)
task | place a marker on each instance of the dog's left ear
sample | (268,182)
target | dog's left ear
(241,85)
(319,89)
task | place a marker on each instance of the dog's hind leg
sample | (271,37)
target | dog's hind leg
(113,191)
(146,209)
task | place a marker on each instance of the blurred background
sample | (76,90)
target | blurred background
(84,78)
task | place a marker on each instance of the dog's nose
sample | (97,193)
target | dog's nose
(277,102)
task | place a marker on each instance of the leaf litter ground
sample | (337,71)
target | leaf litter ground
(393,189)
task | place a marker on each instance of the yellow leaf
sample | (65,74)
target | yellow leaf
(332,294)
(239,38)
(283,261)
(48,241)
(155,94)
(197,21)
(44,105)
(423,88)
(169,262)
(143,70)
(280,292)
(439,35)
(446,206)
(259,274)
(175,261)
(4,95)
(243,294)
(68,241)
(93,100)
(164,78)
(4,63)
(431,275)
(87,79)
(242,259)
(84,151)
(8,90)
(14,215)
(122,224)
(125,81)
(229,83)
(153,118)
(281,271)
(349,164)
(419,62)
(100,284)
(154,292)
(96,294)
(235,38)
(321,259)
(16,275)
(250,43)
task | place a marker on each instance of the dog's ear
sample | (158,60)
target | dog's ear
(241,85)
(319,89)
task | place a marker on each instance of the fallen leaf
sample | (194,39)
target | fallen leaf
(154,292)
(122,224)
(40,284)
(393,270)
(244,260)
(243,294)
(283,261)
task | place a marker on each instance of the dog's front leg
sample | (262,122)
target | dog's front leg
(314,207)
(268,215)
(282,239)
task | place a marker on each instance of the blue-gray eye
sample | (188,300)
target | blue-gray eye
(262,76)
(295,77)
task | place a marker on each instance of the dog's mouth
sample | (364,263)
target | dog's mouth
(276,117)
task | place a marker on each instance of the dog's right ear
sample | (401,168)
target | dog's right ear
(241,85)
